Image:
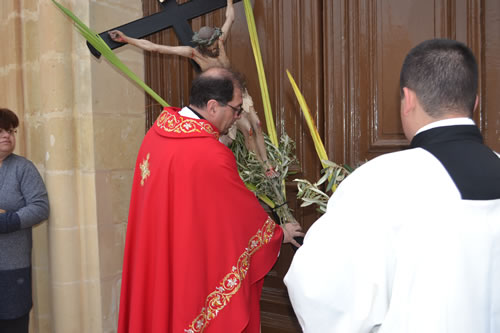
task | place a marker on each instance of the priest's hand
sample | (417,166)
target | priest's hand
(291,230)
(2,211)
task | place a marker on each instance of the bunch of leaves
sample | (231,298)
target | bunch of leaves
(270,190)
(316,193)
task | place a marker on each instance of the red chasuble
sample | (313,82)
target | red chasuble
(198,242)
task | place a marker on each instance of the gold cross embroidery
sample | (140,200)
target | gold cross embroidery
(145,169)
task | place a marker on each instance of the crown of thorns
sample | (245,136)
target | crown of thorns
(204,38)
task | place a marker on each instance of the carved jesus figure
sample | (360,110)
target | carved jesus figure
(210,52)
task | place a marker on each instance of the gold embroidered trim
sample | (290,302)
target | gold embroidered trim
(177,124)
(145,172)
(229,286)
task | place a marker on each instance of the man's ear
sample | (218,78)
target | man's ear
(409,101)
(476,103)
(212,106)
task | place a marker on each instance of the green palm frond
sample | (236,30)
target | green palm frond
(318,144)
(254,39)
(100,45)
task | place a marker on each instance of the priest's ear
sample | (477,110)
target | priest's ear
(212,106)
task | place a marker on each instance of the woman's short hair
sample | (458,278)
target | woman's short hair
(8,119)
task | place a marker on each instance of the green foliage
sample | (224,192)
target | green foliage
(311,193)
(253,173)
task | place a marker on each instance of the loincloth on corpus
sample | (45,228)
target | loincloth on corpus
(247,107)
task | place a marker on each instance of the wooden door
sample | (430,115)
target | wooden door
(345,56)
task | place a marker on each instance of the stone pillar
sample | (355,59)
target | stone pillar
(119,126)
(82,124)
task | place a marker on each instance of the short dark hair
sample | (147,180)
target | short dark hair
(8,119)
(218,86)
(444,75)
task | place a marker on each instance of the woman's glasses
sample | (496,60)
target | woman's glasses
(11,131)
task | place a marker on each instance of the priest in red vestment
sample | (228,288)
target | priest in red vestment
(198,242)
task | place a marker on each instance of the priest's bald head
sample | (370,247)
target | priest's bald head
(439,80)
(217,95)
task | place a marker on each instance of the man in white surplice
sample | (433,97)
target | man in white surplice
(410,241)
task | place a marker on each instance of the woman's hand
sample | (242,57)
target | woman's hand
(2,211)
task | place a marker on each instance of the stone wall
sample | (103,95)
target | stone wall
(81,124)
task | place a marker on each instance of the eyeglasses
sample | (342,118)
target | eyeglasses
(10,131)
(236,110)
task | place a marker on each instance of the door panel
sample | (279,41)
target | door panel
(345,55)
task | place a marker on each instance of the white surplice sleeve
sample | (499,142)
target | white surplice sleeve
(338,280)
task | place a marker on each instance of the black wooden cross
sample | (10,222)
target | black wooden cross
(172,15)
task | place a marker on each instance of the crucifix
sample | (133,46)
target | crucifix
(204,49)
(172,15)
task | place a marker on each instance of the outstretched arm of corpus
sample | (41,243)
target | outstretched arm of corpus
(144,44)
